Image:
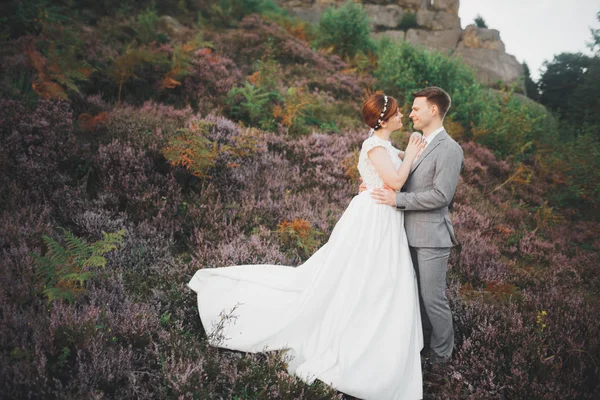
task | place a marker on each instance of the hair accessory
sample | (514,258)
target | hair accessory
(371,132)
(380,119)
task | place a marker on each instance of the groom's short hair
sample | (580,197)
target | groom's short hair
(436,95)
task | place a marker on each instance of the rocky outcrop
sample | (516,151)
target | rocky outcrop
(481,38)
(394,35)
(384,16)
(492,66)
(439,40)
(172,27)
(482,49)
(450,6)
(439,28)
(310,14)
(437,20)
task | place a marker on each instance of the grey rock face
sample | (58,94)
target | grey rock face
(414,4)
(437,20)
(312,14)
(492,66)
(438,40)
(384,16)
(481,38)
(450,6)
(392,34)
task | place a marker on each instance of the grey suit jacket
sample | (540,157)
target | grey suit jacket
(428,192)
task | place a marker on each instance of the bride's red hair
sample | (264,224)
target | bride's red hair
(372,108)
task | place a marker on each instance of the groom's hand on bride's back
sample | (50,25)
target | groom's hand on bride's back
(387,196)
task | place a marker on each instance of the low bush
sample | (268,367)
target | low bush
(345,29)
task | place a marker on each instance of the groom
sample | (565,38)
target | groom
(425,198)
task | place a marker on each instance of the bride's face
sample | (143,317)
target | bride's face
(395,122)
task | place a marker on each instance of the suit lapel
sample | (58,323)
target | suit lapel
(436,142)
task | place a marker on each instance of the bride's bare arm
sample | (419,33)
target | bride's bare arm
(383,164)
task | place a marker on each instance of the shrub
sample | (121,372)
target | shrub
(149,126)
(191,149)
(583,176)
(479,257)
(511,126)
(60,67)
(210,78)
(298,236)
(228,12)
(141,184)
(480,22)
(345,29)
(37,145)
(145,25)
(31,17)
(129,63)
(296,101)
(300,29)
(252,105)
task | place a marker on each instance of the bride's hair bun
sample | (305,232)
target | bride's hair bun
(375,106)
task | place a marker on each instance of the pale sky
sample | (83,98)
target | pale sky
(536,30)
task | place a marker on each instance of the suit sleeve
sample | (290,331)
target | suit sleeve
(445,180)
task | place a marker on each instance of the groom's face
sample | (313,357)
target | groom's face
(421,113)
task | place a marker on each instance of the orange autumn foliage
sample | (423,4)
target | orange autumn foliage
(350,165)
(298,236)
(90,122)
(192,150)
(53,77)
(295,103)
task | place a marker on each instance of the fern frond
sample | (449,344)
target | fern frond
(78,249)
(76,277)
(45,266)
(54,294)
(95,261)
(63,268)
(56,253)
(100,248)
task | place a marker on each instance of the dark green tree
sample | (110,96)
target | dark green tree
(594,45)
(560,79)
(584,103)
(480,22)
(531,87)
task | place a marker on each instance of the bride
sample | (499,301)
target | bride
(349,316)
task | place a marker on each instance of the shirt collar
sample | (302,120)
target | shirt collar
(433,134)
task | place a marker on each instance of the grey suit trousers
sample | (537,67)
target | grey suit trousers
(430,265)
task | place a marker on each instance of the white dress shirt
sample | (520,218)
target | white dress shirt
(433,134)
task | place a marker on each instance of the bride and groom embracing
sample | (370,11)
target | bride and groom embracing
(357,314)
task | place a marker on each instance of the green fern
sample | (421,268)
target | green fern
(65,269)
(145,25)
(252,104)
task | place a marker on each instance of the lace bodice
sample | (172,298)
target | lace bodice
(367,171)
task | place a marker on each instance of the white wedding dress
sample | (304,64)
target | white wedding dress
(349,315)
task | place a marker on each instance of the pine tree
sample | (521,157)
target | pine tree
(531,87)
